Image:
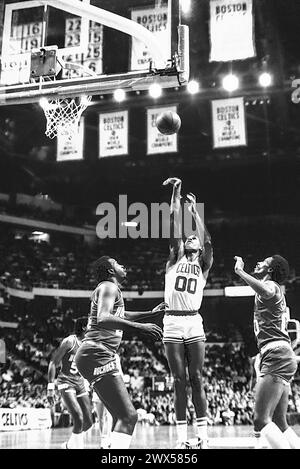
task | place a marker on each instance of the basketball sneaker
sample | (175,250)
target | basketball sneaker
(64,445)
(183,445)
(198,443)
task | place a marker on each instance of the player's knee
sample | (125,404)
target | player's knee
(179,381)
(196,379)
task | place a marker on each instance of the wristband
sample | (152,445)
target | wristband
(51,387)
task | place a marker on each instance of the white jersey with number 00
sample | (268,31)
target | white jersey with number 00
(184,284)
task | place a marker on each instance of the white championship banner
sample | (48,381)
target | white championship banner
(113,133)
(157,142)
(155,19)
(228,118)
(24,418)
(231,30)
(70,149)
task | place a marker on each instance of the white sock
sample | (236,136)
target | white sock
(75,441)
(275,437)
(292,438)
(181,428)
(202,428)
(120,440)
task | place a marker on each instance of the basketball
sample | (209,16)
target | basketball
(168,122)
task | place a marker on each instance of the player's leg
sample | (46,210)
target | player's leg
(195,353)
(113,393)
(269,390)
(175,353)
(85,404)
(279,418)
(105,421)
(76,439)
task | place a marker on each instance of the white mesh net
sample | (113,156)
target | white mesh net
(63,115)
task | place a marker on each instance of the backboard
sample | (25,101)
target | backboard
(68,48)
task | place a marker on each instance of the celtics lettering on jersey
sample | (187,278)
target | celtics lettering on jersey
(184,284)
(270,318)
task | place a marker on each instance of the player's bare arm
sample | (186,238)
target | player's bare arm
(106,299)
(203,235)
(140,315)
(176,243)
(55,361)
(264,289)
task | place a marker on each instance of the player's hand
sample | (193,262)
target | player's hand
(50,396)
(154,331)
(191,199)
(161,307)
(239,264)
(174,181)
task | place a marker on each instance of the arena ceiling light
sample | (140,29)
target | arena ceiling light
(119,95)
(155,90)
(185,6)
(193,87)
(230,82)
(265,79)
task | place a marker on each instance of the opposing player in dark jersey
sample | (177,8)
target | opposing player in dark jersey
(96,357)
(277,364)
(71,385)
(186,274)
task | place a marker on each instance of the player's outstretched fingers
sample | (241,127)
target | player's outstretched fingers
(174,181)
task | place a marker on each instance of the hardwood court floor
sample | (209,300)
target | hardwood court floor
(145,437)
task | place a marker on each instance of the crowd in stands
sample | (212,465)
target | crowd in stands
(71,216)
(64,262)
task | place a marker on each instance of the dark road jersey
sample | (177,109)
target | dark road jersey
(270,318)
(110,338)
(68,365)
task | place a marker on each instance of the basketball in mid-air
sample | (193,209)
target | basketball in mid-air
(168,122)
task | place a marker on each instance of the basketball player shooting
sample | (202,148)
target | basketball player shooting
(96,357)
(184,338)
(71,386)
(277,363)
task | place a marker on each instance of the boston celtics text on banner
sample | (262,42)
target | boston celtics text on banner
(157,142)
(228,117)
(113,133)
(156,20)
(231,30)
(71,149)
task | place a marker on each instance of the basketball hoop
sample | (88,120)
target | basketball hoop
(63,115)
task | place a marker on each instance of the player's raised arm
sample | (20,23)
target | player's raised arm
(106,298)
(264,289)
(176,243)
(203,235)
(55,361)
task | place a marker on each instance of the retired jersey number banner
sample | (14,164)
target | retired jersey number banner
(229,128)
(156,20)
(157,142)
(113,133)
(231,30)
(71,149)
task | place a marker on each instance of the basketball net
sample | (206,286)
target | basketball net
(63,115)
